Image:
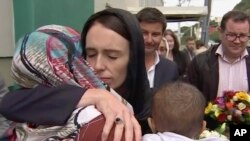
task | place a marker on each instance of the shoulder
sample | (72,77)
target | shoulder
(213,139)
(151,137)
(248,49)
(184,50)
(180,56)
(3,88)
(166,65)
(207,55)
(166,136)
(166,61)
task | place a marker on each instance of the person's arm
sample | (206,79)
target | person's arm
(3,89)
(41,105)
(53,106)
(112,108)
(4,123)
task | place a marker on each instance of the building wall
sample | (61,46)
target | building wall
(31,14)
(124,4)
(18,17)
(103,4)
(151,3)
(132,3)
(6,39)
(6,29)
(5,64)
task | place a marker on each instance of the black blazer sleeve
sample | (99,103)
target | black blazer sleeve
(41,105)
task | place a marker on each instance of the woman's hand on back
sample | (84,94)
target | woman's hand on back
(115,112)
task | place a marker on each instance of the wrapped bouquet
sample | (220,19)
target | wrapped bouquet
(232,108)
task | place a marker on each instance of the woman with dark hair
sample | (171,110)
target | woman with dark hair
(113,45)
(174,52)
(125,26)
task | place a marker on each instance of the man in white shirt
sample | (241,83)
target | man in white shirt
(159,69)
(226,66)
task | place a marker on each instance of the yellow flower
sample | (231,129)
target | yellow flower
(214,107)
(217,112)
(208,108)
(242,96)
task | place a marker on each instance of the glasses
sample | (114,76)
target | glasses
(232,37)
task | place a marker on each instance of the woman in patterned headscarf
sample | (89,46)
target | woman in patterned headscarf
(42,105)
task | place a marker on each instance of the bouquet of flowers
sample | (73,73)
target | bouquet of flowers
(232,108)
(212,134)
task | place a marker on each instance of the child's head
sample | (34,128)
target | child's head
(179,108)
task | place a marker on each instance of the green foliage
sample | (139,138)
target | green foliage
(214,36)
(247,11)
(213,23)
(186,32)
(244,5)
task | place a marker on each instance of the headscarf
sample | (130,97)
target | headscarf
(136,83)
(52,55)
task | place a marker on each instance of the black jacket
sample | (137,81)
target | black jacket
(165,71)
(181,62)
(203,72)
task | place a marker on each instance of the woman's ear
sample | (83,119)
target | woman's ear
(151,124)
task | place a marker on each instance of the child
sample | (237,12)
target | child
(177,114)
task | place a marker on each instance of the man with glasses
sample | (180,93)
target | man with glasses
(226,66)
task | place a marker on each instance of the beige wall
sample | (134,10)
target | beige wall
(5,64)
(132,3)
(123,4)
(6,29)
(102,4)
(151,3)
(6,39)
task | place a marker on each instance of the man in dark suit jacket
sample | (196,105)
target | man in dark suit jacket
(165,71)
(160,70)
(207,70)
(226,66)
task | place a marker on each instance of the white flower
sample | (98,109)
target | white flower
(241,106)
(207,133)
(238,113)
(235,98)
(229,117)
